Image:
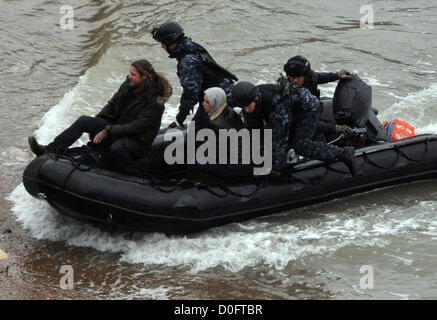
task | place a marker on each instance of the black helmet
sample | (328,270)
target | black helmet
(297,66)
(243,94)
(169,32)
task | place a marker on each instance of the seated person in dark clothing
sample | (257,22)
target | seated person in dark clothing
(221,117)
(220,114)
(126,127)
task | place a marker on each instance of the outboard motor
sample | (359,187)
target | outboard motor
(353,107)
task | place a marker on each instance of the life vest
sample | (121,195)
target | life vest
(215,73)
(210,62)
(397,130)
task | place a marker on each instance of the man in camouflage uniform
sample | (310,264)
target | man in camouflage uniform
(292,113)
(197,71)
(300,72)
(298,112)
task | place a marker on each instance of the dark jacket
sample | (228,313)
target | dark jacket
(313,79)
(226,118)
(136,119)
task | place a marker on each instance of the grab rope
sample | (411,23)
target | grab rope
(76,166)
(147,178)
(397,149)
(205,186)
(373,163)
(153,183)
(411,158)
(64,183)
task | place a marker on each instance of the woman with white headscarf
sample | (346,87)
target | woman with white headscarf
(221,117)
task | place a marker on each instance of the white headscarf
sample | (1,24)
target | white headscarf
(216,97)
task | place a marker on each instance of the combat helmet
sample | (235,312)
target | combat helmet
(243,94)
(168,33)
(297,66)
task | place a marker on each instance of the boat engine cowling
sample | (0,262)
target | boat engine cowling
(352,104)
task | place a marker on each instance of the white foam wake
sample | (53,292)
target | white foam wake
(416,108)
(235,246)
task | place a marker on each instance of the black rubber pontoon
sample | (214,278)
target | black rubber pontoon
(157,206)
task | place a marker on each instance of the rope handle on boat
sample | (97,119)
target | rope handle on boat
(76,166)
(411,158)
(64,183)
(397,149)
(399,153)
(227,190)
(373,163)
(153,183)
(148,178)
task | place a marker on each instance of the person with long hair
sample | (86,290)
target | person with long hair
(126,126)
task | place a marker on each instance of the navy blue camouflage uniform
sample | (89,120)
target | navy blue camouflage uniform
(293,118)
(299,112)
(313,79)
(196,75)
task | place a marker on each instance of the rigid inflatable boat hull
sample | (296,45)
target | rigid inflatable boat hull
(141,205)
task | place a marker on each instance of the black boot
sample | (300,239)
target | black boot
(36,148)
(348,157)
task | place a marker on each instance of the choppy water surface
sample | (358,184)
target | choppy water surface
(50,76)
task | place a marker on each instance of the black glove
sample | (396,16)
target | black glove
(180,119)
(347,131)
(344,75)
(173,125)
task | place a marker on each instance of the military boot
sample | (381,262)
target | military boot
(349,159)
(36,148)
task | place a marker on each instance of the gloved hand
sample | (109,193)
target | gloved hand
(180,118)
(100,136)
(346,130)
(344,75)
(173,125)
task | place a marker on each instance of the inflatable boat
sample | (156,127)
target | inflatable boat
(73,185)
